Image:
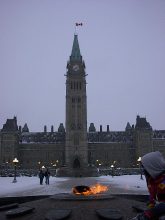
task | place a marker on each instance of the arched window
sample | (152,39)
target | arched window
(76,139)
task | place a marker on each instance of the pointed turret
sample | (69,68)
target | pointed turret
(141,123)
(128,127)
(11,125)
(92,127)
(61,128)
(75,55)
(25,128)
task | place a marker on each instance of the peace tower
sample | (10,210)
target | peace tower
(76,143)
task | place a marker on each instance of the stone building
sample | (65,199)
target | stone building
(74,148)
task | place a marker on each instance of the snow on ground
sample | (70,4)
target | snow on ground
(29,186)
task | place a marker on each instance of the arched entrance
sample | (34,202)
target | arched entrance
(76,163)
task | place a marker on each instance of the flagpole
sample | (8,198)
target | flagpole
(76,25)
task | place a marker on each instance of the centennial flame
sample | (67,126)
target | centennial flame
(86,190)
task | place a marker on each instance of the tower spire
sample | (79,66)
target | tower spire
(75,54)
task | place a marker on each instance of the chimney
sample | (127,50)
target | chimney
(45,128)
(20,129)
(100,128)
(107,128)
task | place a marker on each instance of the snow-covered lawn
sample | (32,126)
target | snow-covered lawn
(28,186)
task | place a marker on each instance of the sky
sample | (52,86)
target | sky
(29,186)
(122,43)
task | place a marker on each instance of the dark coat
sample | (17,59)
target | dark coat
(47,173)
(41,174)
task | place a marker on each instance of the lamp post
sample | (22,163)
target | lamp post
(139,160)
(15,161)
(43,167)
(54,165)
(57,163)
(39,163)
(6,168)
(112,166)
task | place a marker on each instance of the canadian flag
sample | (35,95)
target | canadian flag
(79,24)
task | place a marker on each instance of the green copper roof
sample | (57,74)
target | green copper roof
(76,55)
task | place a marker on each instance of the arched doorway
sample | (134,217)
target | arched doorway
(76,163)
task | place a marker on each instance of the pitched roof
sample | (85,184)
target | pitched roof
(75,55)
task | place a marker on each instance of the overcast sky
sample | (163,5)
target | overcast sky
(122,43)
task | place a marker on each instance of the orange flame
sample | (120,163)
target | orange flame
(94,189)
(98,188)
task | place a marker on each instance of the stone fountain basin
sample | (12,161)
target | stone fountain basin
(83,207)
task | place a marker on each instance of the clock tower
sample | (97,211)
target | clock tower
(76,144)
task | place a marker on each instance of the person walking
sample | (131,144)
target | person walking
(47,175)
(41,176)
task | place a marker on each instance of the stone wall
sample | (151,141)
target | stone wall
(35,155)
(107,154)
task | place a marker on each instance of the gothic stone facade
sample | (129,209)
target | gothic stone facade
(75,146)
(104,147)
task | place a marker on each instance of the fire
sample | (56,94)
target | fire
(98,188)
(86,190)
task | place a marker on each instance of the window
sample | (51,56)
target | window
(78,99)
(72,126)
(76,140)
(79,126)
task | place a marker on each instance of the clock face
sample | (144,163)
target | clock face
(75,67)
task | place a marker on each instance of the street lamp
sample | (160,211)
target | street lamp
(15,161)
(112,166)
(39,163)
(54,165)
(6,165)
(57,163)
(139,160)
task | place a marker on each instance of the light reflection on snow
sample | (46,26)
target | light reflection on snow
(28,186)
